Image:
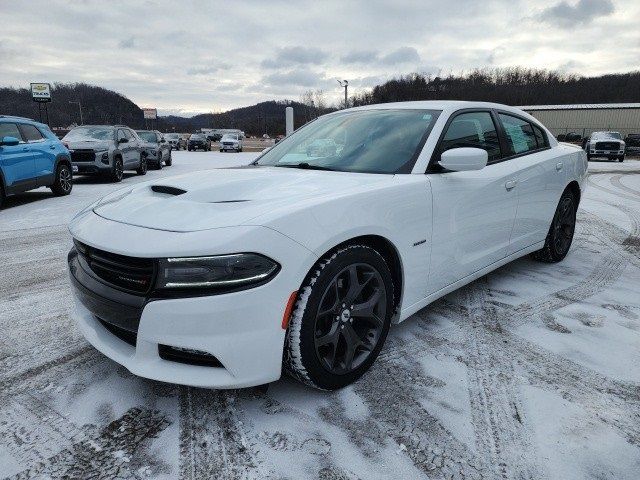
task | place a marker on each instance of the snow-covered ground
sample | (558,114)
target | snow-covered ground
(530,372)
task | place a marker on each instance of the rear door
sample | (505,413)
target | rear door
(474,211)
(16,162)
(43,149)
(539,181)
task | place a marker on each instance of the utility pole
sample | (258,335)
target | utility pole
(80,107)
(345,84)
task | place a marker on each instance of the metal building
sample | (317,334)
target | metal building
(586,118)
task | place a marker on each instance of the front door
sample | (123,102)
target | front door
(16,161)
(473,211)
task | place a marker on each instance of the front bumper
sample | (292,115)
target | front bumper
(242,330)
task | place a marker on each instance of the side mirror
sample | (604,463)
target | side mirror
(123,140)
(464,159)
(9,141)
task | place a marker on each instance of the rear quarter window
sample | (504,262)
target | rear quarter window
(519,134)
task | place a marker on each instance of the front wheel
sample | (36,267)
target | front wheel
(560,236)
(63,182)
(621,158)
(142,169)
(341,318)
(169,160)
(117,172)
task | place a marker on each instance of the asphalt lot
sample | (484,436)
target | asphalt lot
(530,372)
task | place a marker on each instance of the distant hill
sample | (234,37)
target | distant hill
(511,86)
(99,105)
(102,106)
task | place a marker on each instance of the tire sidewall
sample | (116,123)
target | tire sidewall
(61,168)
(318,375)
(557,256)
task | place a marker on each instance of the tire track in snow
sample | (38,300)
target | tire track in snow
(616,181)
(213,443)
(110,454)
(496,408)
(392,390)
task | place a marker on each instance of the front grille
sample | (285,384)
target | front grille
(83,156)
(228,143)
(188,356)
(607,146)
(125,335)
(127,273)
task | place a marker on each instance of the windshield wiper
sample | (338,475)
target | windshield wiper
(306,166)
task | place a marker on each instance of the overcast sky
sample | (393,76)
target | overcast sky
(187,57)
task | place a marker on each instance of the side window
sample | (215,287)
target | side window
(541,138)
(519,134)
(31,133)
(121,135)
(10,130)
(473,129)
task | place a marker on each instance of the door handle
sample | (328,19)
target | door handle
(25,149)
(559,166)
(52,147)
(510,185)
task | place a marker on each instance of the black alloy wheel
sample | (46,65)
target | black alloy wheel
(561,232)
(118,170)
(142,169)
(350,318)
(340,319)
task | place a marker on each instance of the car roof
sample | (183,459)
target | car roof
(446,106)
(15,118)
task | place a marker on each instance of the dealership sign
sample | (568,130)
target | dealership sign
(41,92)
(150,113)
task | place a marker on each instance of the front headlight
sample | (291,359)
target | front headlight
(219,272)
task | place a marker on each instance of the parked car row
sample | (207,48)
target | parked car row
(109,150)
(32,156)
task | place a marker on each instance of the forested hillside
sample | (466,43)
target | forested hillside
(513,86)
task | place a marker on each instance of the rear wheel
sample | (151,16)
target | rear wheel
(341,318)
(1,194)
(169,160)
(560,236)
(63,182)
(117,171)
(621,158)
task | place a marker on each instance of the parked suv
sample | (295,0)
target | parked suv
(174,140)
(31,156)
(155,148)
(231,141)
(198,141)
(106,150)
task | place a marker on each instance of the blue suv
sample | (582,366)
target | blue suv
(31,156)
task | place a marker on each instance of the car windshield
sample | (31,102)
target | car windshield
(148,136)
(229,137)
(90,134)
(172,136)
(368,141)
(196,137)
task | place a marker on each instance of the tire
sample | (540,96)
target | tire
(117,172)
(221,150)
(588,157)
(142,169)
(331,349)
(560,236)
(169,160)
(621,158)
(1,194)
(63,183)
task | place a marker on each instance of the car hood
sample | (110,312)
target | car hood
(96,145)
(226,197)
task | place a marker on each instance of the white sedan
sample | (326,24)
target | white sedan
(305,258)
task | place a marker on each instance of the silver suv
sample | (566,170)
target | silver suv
(105,150)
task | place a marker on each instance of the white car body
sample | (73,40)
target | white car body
(605,144)
(446,229)
(231,141)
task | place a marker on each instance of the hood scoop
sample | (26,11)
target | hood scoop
(167,189)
